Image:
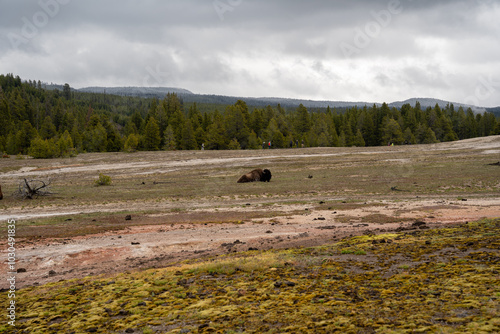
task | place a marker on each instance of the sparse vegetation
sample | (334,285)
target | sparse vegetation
(434,280)
(103,180)
(288,291)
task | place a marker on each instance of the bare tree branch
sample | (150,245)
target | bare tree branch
(29,189)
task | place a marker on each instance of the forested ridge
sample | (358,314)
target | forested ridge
(52,123)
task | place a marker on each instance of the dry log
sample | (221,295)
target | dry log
(29,189)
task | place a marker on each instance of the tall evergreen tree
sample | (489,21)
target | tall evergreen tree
(67,91)
(408,137)
(95,139)
(188,137)
(391,132)
(303,120)
(48,129)
(65,146)
(236,126)
(5,117)
(151,136)
(253,141)
(169,139)
(132,142)
(358,139)
(215,134)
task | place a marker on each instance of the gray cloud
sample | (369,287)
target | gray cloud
(380,50)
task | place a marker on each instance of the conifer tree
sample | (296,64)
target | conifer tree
(391,132)
(257,121)
(334,138)
(151,136)
(323,140)
(200,135)
(95,139)
(430,137)
(235,124)
(114,140)
(169,139)
(234,145)
(76,137)
(137,120)
(176,120)
(347,131)
(215,134)
(41,149)
(188,137)
(132,143)
(5,117)
(130,128)
(48,129)
(359,140)
(273,134)
(303,121)
(408,137)
(253,141)
(342,140)
(368,131)
(195,116)
(67,91)
(65,146)
(24,137)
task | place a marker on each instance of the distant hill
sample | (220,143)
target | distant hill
(136,91)
(429,102)
(495,111)
(190,97)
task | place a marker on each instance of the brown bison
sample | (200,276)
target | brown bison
(256,175)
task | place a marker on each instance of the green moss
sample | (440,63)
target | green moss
(306,290)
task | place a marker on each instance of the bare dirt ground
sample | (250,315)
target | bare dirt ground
(427,187)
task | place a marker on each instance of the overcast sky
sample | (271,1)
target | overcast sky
(369,50)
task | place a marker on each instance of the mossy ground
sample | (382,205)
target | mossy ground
(423,281)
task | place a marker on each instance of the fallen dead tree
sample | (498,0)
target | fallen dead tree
(29,189)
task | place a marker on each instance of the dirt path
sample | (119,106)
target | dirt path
(151,246)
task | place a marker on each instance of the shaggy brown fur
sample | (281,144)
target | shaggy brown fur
(256,175)
(1,195)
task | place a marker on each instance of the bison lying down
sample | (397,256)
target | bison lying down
(256,175)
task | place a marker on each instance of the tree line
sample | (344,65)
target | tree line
(53,123)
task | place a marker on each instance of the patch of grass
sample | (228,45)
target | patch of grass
(353,251)
(244,264)
(289,291)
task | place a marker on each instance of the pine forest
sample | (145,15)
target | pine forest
(53,123)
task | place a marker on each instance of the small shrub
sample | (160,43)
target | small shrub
(103,180)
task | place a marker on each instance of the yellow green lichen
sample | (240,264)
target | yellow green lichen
(424,281)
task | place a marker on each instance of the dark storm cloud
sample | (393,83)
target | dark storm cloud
(379,50)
